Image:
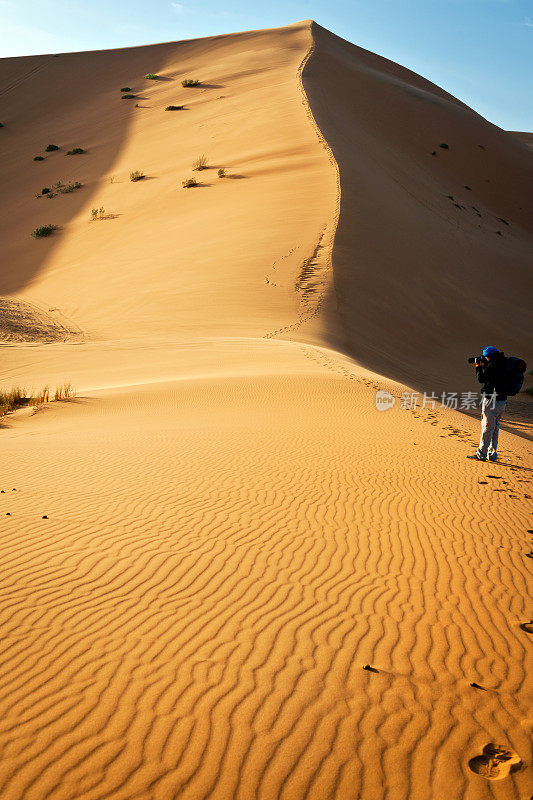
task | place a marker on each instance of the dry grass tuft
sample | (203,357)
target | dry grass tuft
(12,399)
(65,392)
(200,163)
(41,397)
(18,398)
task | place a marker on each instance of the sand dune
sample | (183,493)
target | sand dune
(173,252)
(433,244)
(527,138)
(225,573)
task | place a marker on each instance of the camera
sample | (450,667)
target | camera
(477,360)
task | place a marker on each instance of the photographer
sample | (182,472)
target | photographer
(491,373)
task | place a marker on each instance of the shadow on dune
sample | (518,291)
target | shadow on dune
(420,283)
(74,101)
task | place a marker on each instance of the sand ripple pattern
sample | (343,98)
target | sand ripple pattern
(192,619)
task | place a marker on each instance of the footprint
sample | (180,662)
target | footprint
(527,626)
(495,763)
(370,669)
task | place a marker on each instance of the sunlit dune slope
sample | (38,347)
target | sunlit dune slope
(221,258)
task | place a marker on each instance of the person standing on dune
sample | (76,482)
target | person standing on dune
(491,373)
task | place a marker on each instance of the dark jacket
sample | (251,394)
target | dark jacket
(492,376)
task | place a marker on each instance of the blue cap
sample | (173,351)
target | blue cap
(490,351)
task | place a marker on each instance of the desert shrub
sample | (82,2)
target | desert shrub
(67,188)
(70,187)
(61,188)
(200,163)
(188,82)
(44,230)
(75,151)
(50,147)
(126,89)
(221,173)
(151,77)
(97,213)
(38,158)
(137,175)
(174,108)
(128,96)
(189,183)
(444,146)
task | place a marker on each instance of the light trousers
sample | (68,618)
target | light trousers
(491,412)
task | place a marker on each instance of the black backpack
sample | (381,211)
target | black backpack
(514,375)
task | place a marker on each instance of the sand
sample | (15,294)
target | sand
(202,552)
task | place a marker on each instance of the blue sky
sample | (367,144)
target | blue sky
(479,50)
